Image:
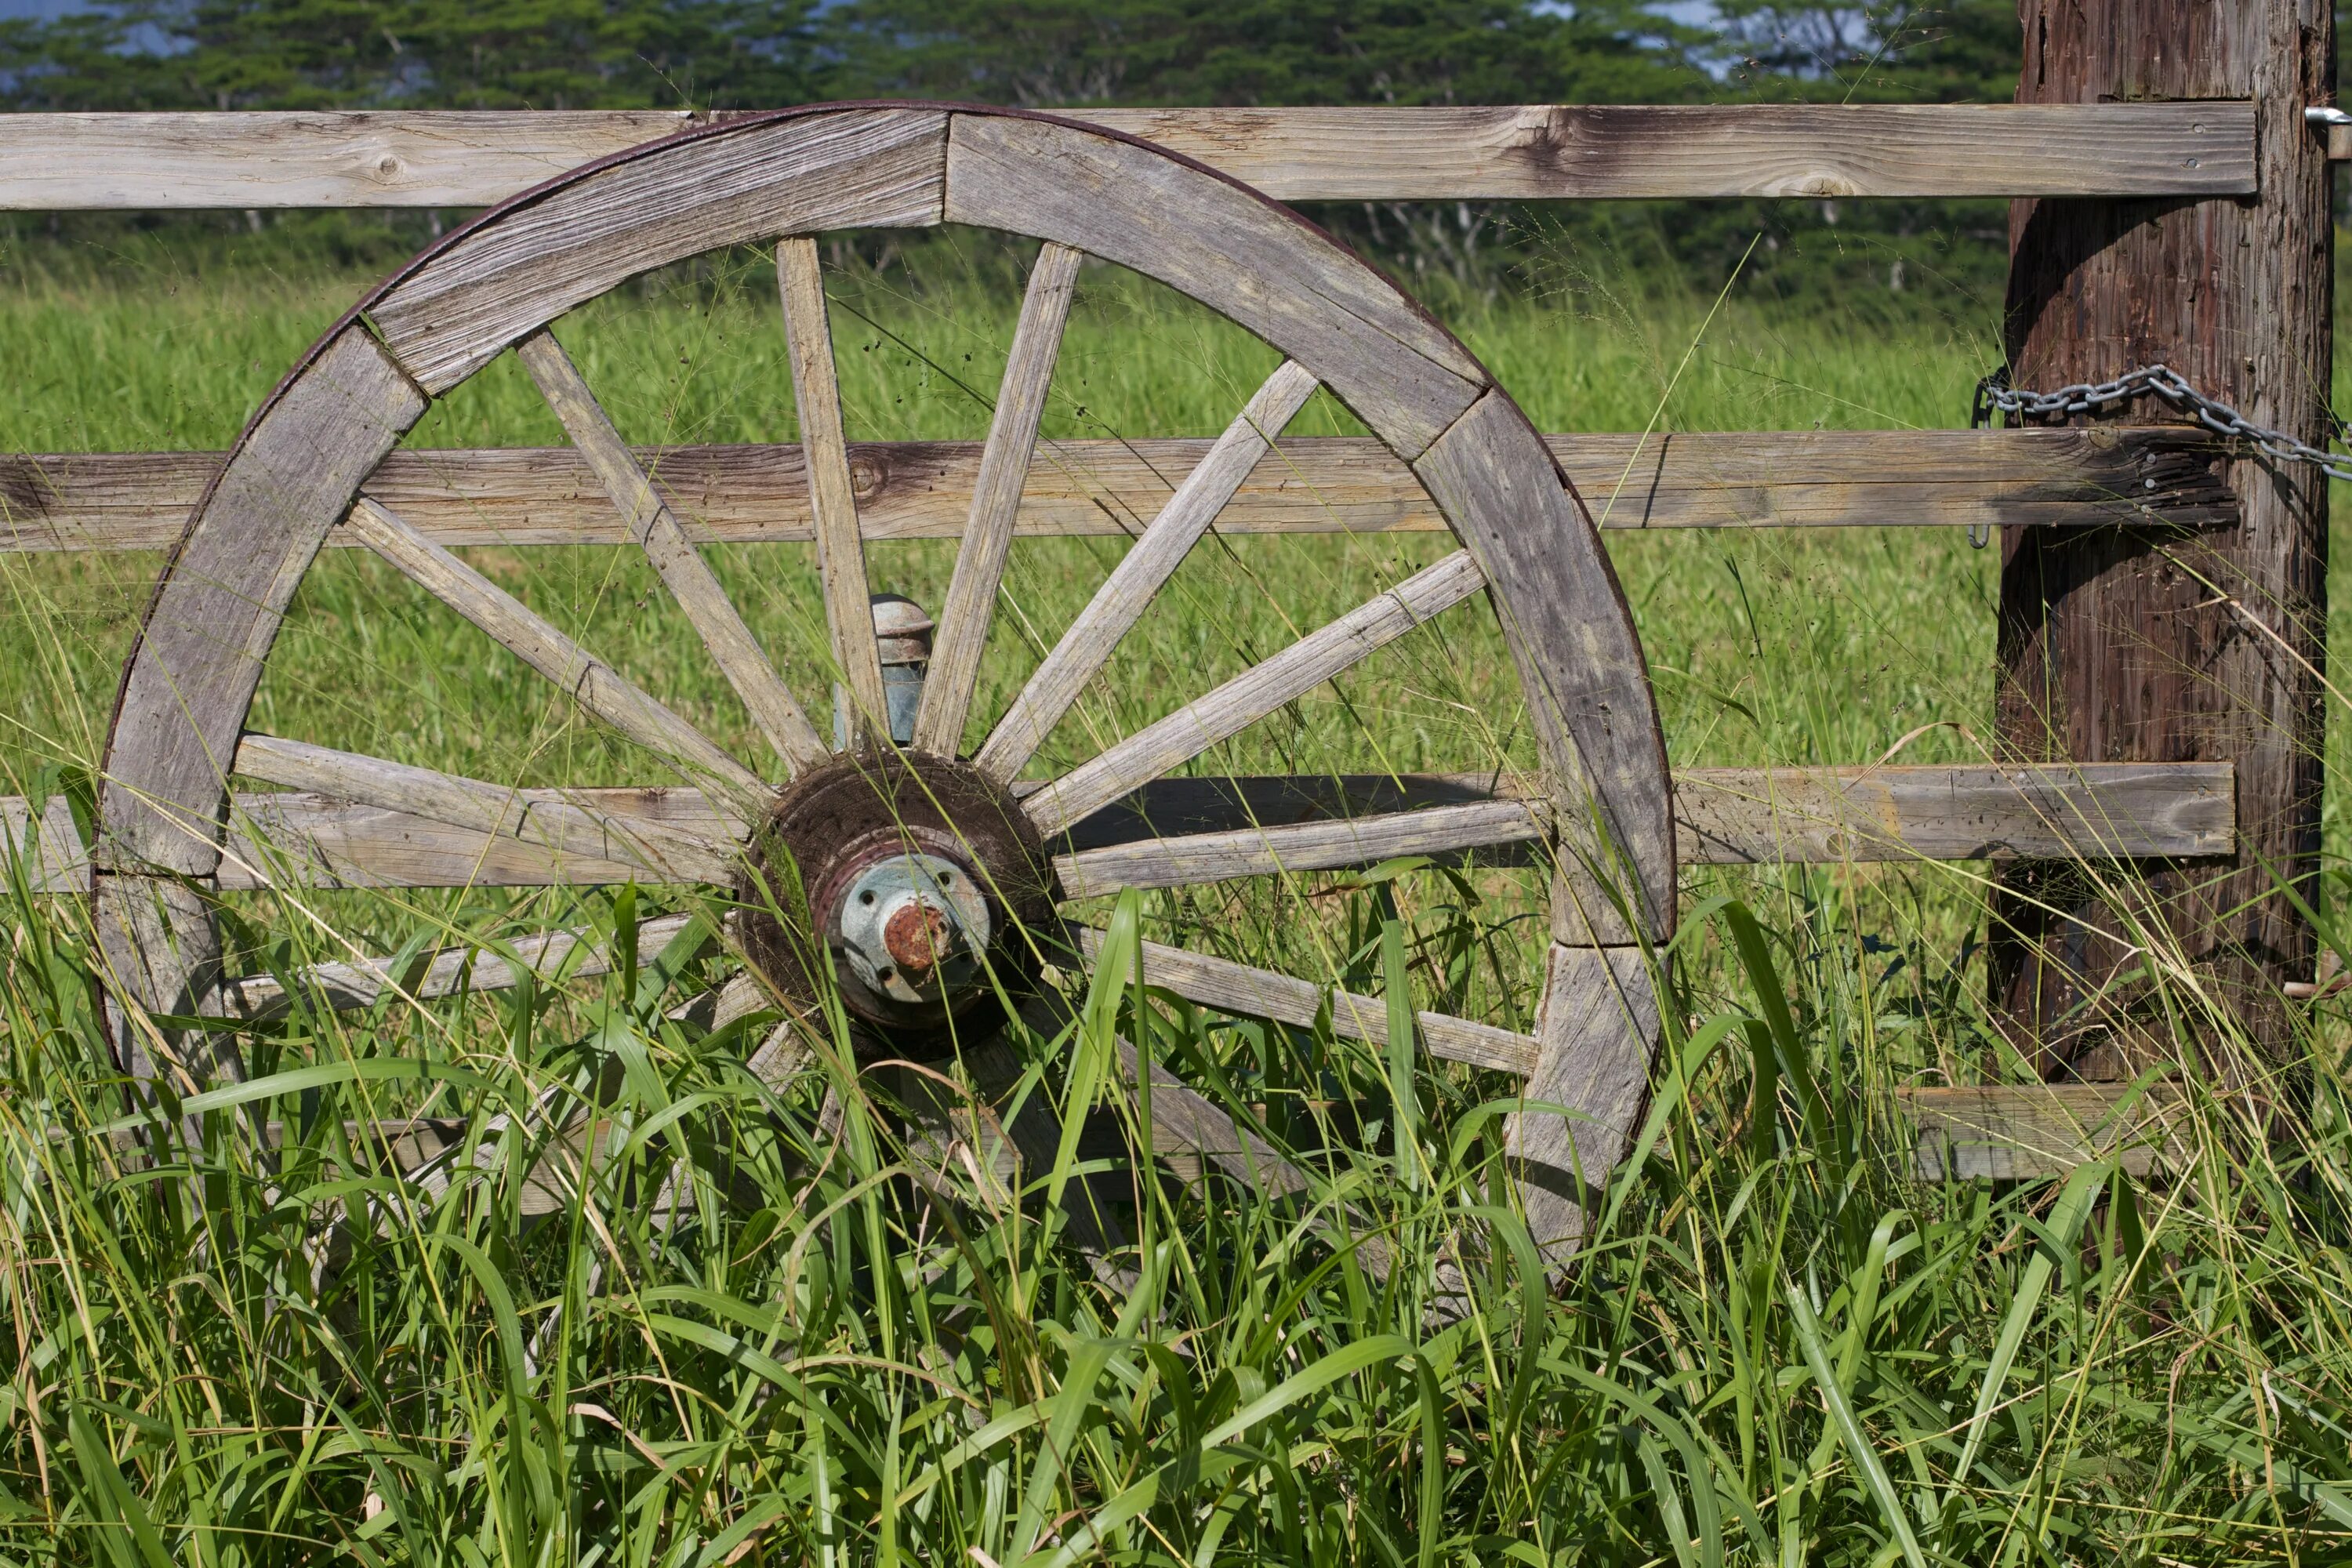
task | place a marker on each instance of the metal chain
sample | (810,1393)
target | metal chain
(1995,396)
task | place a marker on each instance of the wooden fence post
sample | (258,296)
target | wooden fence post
(2129,644)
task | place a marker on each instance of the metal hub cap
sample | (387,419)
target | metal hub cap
(913,927)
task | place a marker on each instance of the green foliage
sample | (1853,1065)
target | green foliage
(458,54)
(1041,52)
(749,1338)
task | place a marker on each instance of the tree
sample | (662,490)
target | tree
(1044,53)
(466,54)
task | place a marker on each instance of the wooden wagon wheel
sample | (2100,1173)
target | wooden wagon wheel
(944,866)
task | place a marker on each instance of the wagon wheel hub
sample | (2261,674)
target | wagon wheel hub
(910,884)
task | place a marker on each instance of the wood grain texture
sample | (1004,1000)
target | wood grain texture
(304,839)
(333,159)
(1725,816)
(1630,150)
(200,651)
(363,983)
(531,637)
(970,608)
(1194,860)
(833,495)
(1231,987)
(1253,263)
(1130,763)
(2023,1132)
(2090,812)
(1597,1033)
(440,158)
(160,953)
(566,823)
(43,851)
(852,169)
(2131,644)
(688,577)
(1580,662)
(1095,635)
(923,489)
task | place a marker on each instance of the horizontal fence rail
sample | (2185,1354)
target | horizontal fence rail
(1724,816)
(2025,1132)
(449,159)
(140,500)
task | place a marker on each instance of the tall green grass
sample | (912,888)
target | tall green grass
(749,1339)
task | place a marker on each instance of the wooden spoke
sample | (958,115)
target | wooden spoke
(1231,987)
(593,684)
(570,824)
(298,839)
(689,578)
(1087,645)
(1255,693)
(1200,857)
(1185,1121)
(833,497)
(962,633)
(364,982)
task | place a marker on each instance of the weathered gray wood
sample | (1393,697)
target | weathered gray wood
(1231,987)
(1226,246)
(853,168)
(46,851)
(588,680)
(1626,150)
(970,606)
(1587,684)
(159,952)
(2022,1132)
(1250,696)
(442,159)
(2084,811)
(1725,816)
(200,650)
(688,577)
(566,822)
(1197,859)
(1090,641)
(346,985)
(300,839)
(1597,1033)
(832,496)
(923,489)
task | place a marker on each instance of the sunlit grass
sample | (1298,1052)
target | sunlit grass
(747,1339)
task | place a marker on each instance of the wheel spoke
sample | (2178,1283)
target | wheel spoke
(593,683)
(962,634)
(688,576)
(364,981)
(567,825)
(1255,693)
(302,838)
(1200,857)
(1231,987)
(1087,645)
(832,496)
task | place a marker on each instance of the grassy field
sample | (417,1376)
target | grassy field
(747,1342)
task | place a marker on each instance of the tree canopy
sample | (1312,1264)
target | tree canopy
(576,54)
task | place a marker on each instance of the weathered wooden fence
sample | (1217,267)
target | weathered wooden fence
(2238,157)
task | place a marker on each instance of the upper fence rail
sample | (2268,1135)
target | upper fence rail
(448,158)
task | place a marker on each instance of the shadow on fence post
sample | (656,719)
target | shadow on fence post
(2148,644)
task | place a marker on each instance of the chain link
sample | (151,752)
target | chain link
(1995,396)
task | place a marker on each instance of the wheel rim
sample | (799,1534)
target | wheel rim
(179,729)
